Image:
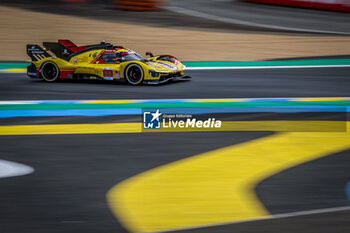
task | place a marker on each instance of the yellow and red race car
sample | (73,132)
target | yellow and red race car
(100,61)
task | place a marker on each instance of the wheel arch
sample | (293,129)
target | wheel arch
(137,64)
(43,74)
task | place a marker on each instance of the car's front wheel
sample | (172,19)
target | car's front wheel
(134,74)
(49,71)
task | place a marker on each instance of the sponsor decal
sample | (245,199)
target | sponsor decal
(35,50)
(190,123)
(75,61)
(152,65)
(156,120)
(168,66)
(152,120)
(108,73)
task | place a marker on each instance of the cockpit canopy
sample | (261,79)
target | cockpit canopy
(121,56)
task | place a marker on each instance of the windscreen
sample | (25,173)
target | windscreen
(130,56)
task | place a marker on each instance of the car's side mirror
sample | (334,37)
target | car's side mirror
(149,54)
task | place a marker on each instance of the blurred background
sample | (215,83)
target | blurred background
(270,66)
(213,30)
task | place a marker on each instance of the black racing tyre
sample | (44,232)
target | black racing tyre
(134,74)
(49,71)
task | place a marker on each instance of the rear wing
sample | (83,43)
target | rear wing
(36,53)
(63,48)
(59,49)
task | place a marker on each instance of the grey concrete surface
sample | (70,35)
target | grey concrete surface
(160,18)
(265,16)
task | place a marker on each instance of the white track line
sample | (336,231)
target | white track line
(271,217)
(20,102)
(262,67)
(185,11)
(9,169)
(14,102)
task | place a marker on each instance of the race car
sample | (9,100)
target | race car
(63,59)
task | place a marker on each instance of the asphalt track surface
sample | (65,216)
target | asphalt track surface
(255,83)
(272,191)
(66,193)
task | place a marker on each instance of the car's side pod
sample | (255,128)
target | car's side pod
(36,53)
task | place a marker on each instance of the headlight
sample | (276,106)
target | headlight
(153,73)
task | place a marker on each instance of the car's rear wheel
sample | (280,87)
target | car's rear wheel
(134,74)
(49,71)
